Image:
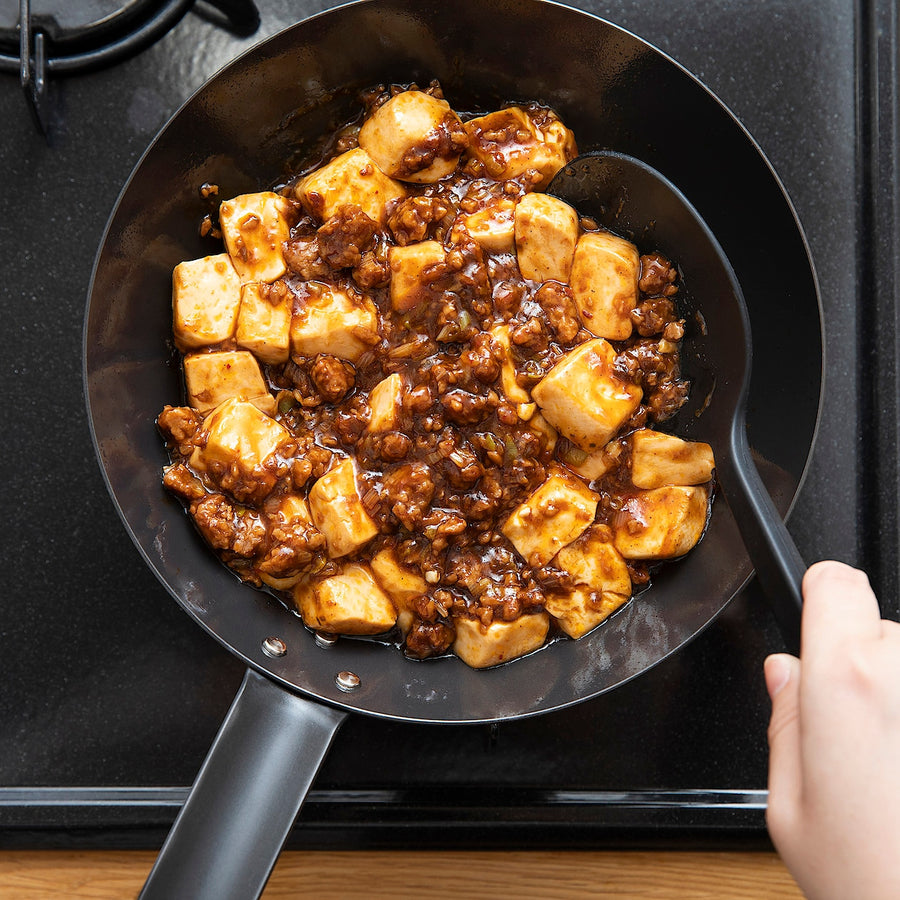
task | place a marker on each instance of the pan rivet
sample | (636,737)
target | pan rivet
(323,639)
(347,681)
(274,647)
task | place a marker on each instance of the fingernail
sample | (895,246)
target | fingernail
(777,669)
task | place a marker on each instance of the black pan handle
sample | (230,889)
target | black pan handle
(251,786)
(772,550)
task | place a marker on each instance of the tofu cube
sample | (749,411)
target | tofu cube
(479,646)
(604,282)
(512,390)
(265,403)
(588,466)
(401,584)
(661,523)
(581,610)
(414,137)
(594,563)
(254,227)
(338,512)
(264,323)
(348,603)
(414,269)
(213,378)
(240,436)
(659,459)
(291,510)
(493,227)
(546,234)
(509,142)
(351,178)
(206,297)
(555,147)
(385,402)
(582,396)
(552,517)
(330,320)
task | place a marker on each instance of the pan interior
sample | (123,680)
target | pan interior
(265,111)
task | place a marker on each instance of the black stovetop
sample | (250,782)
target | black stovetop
(110,695)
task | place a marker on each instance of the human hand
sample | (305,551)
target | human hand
(834,743)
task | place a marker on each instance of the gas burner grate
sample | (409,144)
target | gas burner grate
(61,37)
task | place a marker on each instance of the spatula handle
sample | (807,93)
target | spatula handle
(772,550)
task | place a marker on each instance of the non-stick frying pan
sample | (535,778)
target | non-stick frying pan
(242,131)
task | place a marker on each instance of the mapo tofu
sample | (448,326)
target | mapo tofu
(425,399)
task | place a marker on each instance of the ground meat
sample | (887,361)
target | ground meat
(651,316)
(426,639)
(226,529)
(395,446)
(483,358)
(667,399)
(319,460)
(664,392)
(658,276)
(559,306)
(246,485)
(180,426)
(373,269)
(408,491)
(530,335)
(507,414)
(673,331)
(347,139)
(242,534)
(334,378)
(415,218)
(460,464)
(639,571)
(301,256)
(297,378)
(553,579)
(440,525)
(351,421)
(446,372)
(478,507)
(420,399)
(295,548)
(470,279)
(344,237)
(182,482)
(465,408)
(214,516)
(275,293)
(507,297)
(642,363)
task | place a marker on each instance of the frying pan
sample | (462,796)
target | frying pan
(242,131)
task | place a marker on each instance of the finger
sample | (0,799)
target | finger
(782,672)
(838,606)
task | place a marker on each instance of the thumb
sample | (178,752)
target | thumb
(782,673)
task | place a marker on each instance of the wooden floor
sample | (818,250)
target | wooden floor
(36,875)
